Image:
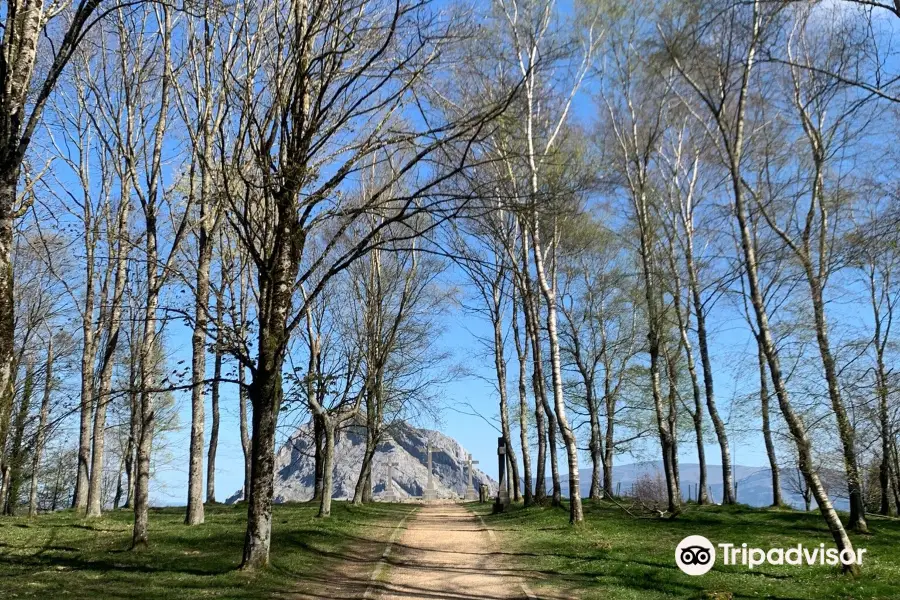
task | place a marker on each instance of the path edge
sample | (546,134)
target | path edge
(382,562)
(525,589)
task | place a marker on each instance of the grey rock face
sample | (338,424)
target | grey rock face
(405,445)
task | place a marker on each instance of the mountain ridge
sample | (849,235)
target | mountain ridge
(403,444)
(754,484)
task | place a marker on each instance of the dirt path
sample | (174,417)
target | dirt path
(348,574)
(446,552)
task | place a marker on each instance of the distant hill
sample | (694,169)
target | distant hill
(754,484)
(295,465)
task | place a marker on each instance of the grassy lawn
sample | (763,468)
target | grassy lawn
(614,556)
(62,556)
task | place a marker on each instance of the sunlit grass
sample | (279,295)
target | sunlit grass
(615,556)
(63,556)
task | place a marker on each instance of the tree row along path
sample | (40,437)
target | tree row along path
(445,551)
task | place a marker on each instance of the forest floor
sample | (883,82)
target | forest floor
(60,555)
(615,556)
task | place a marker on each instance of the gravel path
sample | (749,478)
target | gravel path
(446,552)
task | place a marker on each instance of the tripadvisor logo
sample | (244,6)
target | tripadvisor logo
(696,555)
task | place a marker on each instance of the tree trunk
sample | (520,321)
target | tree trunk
(9,177)
(54,500)
(532,329)
(367,487)
(131,447)
(17,450)
(884,469)
(548,289)
(672,417)
(265,395)
(88,358)
(540,480)
(246,446)
(4,482)
(596,445)
(522,355)
(857,520)
(610,433)
(319,446)
(41,434)
(147,367)
(214,399)
(95,504)
(275,295)
(705,361)
(327,469)
(500,368)
(104,386)
(665,436)
(895,475)
(702,498)
(359,492)
(195,514)
(120,491)
(140,534)
(794,421)
(767,427)
(547,418)
(88,352)
(537,376)
(653,337)
(683,318)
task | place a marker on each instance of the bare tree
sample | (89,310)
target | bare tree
(202,103)
(337,80)
(41,432)
(484,256)
(394,290)
(599,333)
(334,384)
(147,72)
(215,385)
(737,40)
(532,32)
(29,28)
(38,305)
(822,109)
(637,122)
(876,257)
(681,157)
(17,450)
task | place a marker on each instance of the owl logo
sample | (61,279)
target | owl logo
(695,555)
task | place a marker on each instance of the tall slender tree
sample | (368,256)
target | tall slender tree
(726,99)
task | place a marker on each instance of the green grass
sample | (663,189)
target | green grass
(615,556)
(63,556)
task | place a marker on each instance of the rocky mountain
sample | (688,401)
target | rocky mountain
(405,446)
